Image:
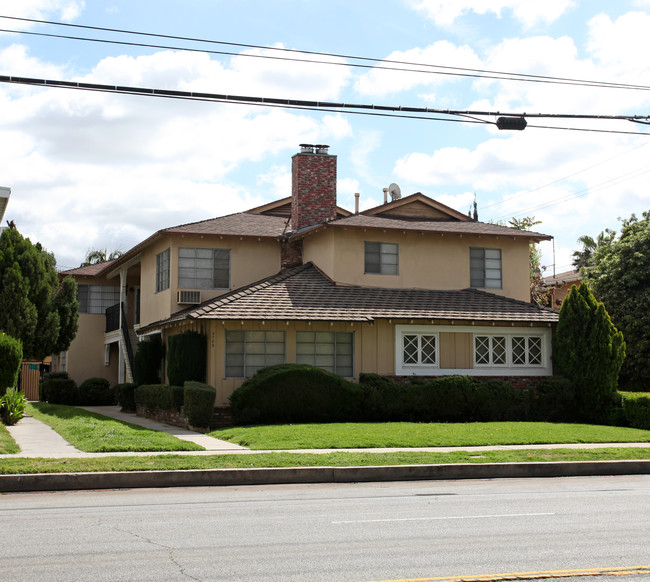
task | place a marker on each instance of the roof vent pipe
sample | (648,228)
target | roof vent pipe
(385,195)
(356,202)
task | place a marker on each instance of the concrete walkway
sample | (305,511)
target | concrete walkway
(37,439)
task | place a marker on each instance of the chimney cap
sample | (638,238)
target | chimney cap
(322,148)
(306,148)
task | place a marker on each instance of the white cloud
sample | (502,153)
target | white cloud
(382,82)
(66,10)
(529,13)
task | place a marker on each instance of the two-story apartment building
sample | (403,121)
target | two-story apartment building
(410,287)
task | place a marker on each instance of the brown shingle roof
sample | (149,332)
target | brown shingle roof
(240,224)
(306,294)
(434,226)
(88,270)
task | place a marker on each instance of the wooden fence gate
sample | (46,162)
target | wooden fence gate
(30,376)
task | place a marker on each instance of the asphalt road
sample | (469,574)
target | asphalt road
(346,532)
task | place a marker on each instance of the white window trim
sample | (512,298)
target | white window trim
(509,359)
(545,369)
(403,369)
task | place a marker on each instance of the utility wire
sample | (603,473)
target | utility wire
(364,109)
(428,68)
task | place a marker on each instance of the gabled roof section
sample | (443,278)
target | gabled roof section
(443,227)
(417,207)
(240,224)
(306,294)
(282,207)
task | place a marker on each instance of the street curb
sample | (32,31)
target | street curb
(269,476)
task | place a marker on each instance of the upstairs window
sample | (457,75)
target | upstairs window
(381,258)
(329,350)
(162,271)
(97,298)
(485,268)
(203,268)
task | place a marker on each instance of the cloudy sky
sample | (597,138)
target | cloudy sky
(96,170)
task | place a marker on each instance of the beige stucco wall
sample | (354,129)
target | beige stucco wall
(426,261)
(86,356)
(250,261)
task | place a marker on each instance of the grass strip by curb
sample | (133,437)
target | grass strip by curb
(94,433)
(20,465)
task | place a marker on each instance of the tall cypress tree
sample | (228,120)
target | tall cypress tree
(588,350)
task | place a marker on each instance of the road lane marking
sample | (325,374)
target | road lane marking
(614,571)
(442,518)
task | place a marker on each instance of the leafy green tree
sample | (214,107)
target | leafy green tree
(589,351)
(37,309)
(620,277)
(11,355)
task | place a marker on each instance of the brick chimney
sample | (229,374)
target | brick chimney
(313,190)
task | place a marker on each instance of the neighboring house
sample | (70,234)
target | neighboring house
(559,286)
(410,287)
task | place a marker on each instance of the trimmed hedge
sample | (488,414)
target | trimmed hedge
(289,393)
(199,404)
(11,355)
(58,388)
(126,396)
(186,357)
(153,396)
(96,392)
(553,400)
(636,412)
(147,361)
(178,397)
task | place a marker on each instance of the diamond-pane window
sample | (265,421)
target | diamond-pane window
(419,349)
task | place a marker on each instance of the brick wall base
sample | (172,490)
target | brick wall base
(222,417)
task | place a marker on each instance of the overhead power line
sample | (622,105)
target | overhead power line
(377,64)
(400,111)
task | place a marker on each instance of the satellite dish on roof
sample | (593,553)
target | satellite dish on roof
(394,191)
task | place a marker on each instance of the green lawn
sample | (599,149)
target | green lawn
(94,433)
(246,461)
(7,444)
(407,434)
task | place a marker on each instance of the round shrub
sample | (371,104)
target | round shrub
(58,388)
(96,392)
(290,393)
(11,355)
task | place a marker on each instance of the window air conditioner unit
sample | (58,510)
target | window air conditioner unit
(188,297)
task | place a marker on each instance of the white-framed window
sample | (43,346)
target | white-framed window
(162,271)
(517,350)
(526,350)
(472,350)
(203,268)
(485,268)
(97,298)
(330,350)
(417,349)
(249,351)
(381,258)
(490,350)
